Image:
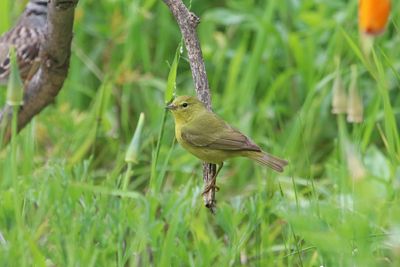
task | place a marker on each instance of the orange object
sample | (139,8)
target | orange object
(373,16)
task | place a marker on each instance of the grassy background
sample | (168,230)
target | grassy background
(271,69)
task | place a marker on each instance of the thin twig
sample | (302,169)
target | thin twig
(188,22)
(44,86)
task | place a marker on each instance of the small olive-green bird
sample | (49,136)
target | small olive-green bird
(211,139)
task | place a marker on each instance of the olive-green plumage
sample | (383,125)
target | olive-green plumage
(211,139)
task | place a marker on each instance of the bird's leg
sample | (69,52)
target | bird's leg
(213,181)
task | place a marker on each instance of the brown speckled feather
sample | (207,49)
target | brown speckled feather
(26,36)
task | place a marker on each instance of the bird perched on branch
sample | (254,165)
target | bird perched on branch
(208,137)
(26,36)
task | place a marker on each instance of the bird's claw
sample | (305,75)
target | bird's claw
(210,187)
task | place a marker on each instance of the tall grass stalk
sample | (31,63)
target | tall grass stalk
(19,216)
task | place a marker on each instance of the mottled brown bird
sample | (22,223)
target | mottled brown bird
(26,36)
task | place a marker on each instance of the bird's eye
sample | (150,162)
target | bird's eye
(184,105)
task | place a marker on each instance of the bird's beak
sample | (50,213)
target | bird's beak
(171,106)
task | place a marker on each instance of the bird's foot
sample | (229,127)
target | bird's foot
(210,186)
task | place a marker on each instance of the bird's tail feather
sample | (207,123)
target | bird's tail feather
(269,160)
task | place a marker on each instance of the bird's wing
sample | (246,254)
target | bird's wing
(27,42)
(216,134)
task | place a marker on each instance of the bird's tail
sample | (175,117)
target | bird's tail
(266,159)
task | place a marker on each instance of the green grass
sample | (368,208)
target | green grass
(271,69)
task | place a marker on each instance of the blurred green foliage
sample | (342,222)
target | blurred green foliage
(271,69)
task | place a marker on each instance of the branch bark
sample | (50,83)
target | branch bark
(44,86)
(188,22)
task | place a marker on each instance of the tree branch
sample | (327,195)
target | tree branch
(188,22)
(44,86)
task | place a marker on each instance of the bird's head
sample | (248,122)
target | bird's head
(185,108)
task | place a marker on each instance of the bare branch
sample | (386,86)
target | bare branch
(188,22)
(44,86)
